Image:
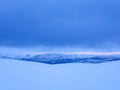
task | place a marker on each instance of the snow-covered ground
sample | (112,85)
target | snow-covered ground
(23,75)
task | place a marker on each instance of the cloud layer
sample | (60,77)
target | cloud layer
(59,22)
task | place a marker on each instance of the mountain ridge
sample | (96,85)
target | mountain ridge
(65,58)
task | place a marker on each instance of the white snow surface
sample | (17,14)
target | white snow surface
(23,75)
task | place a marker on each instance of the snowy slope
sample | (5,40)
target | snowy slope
(22,75)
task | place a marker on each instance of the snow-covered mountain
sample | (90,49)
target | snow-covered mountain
(54,58)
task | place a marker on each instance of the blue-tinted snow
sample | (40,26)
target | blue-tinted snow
(22,75)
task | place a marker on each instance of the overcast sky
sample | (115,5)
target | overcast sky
(85,23)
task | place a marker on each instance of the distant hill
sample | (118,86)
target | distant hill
(65,58)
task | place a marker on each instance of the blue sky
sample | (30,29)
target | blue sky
(88,23)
